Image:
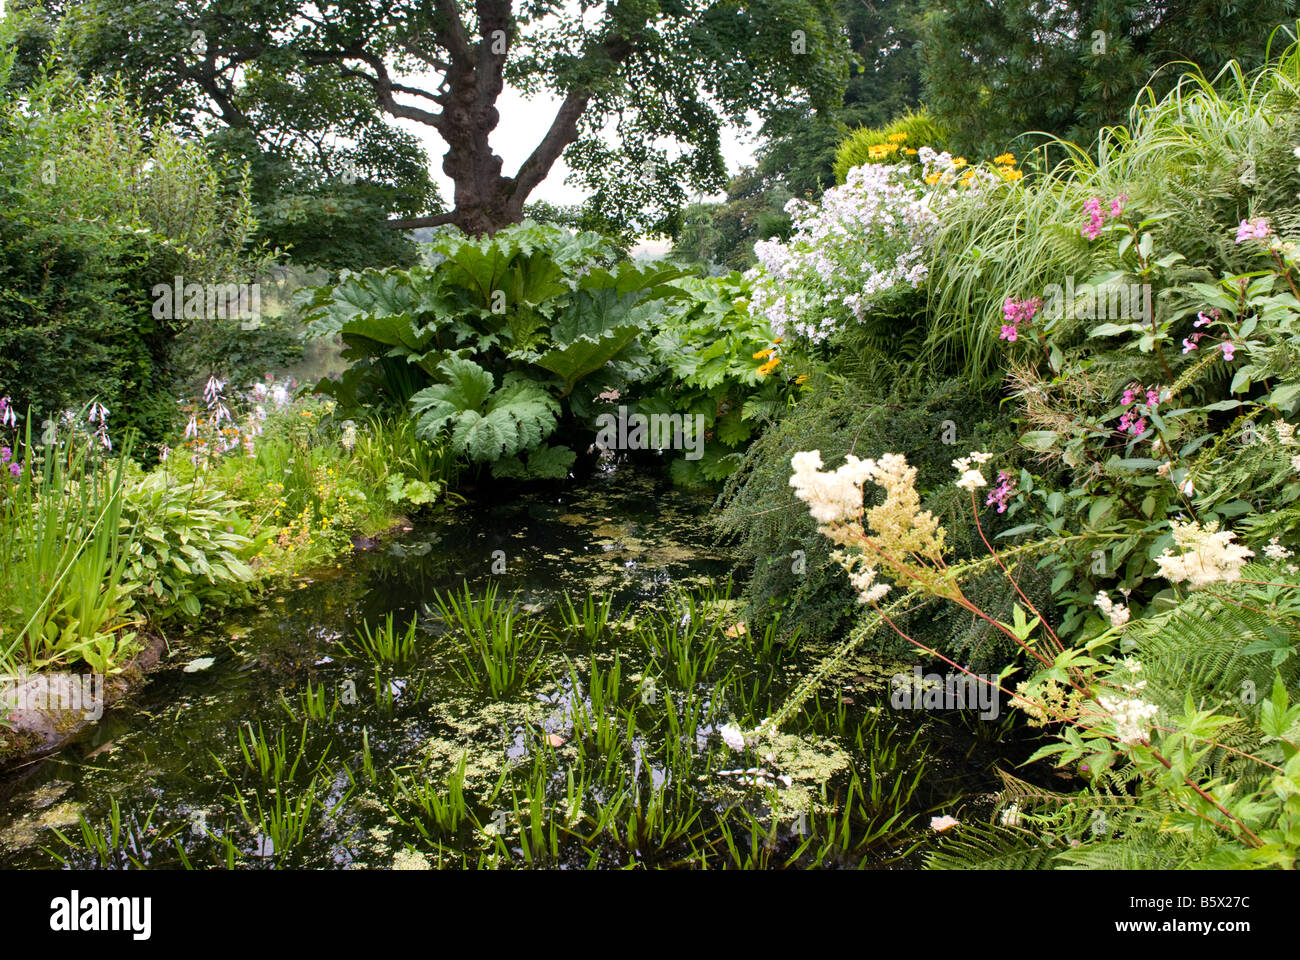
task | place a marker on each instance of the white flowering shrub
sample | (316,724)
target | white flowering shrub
(863,247)
(862,244)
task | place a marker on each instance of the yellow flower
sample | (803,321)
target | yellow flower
(1006,159)
(898,137)
(1010,174)
(959,162)
(909,150)
(763,354)
(802,378)
(932,178)
(768,367)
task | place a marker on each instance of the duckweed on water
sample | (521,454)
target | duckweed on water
(584,733)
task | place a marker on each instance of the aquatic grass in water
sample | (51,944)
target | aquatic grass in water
(384,644)
(616,764)
(592,619)
(272,759)
(594,709)
(121,842)
(313,703)
(423,805)
(500,649)
(281,824)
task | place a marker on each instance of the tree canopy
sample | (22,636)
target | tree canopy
(645,87)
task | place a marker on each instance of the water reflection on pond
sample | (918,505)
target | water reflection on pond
(362,785)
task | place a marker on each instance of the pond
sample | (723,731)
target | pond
(274,742)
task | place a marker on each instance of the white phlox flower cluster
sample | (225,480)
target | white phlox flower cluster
(863,240)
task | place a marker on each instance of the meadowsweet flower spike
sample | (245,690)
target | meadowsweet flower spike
(1209,555)
(1132,718)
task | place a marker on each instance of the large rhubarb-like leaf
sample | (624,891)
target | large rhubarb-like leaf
(485,425)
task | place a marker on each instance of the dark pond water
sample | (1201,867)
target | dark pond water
(658,786)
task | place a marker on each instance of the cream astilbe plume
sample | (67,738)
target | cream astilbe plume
(1209,555)
(900,525)
(901,532)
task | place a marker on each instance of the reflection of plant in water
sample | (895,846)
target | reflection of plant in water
(621,770)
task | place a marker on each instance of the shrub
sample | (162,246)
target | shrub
(97,208)
(793,578)
(890,142)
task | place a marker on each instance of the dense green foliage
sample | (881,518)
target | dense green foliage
(514,346)
(96,211)
(1154,460)
(995,71)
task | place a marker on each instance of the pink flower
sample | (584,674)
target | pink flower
(1117,205)
(15,469)
(1001,493)
(1092,207)
(1015,312)
(1256,229)
(1190,344)
(1229,351)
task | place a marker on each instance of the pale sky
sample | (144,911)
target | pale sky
(523,124)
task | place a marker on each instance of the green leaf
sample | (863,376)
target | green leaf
(1040,441)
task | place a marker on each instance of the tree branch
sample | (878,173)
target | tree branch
(563,131)
(414,223)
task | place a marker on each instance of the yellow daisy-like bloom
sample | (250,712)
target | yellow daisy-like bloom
(1010,175)
(763,354)
(909,150)
(959,161)
(932,178)
(768,367)
(897,137)
(779,340)
(1005,159)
